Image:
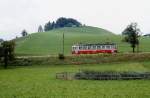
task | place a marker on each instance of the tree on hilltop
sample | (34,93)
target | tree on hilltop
(62,22)
(24,33)
(40,29)
(48,26)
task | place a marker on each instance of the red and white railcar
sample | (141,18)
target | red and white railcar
(94,48)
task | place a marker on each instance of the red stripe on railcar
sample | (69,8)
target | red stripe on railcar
(93,51)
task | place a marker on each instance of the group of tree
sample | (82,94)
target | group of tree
(131,35)
(7,49)
(60,23)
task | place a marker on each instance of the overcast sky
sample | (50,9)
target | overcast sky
(113,15)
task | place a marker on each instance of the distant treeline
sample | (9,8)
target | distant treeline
(62,22)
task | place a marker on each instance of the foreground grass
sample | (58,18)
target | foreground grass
(40,82)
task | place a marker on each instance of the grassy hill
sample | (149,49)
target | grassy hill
(50,43)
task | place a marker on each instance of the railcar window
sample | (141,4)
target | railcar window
(94,47)
(107,47)
(112,46)
(84,47)
(89,47)
(103,47)
(74,48)
(98,47)
(80,47)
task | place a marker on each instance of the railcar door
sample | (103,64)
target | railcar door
(76,49)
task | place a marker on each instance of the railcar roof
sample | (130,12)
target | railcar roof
(94,44)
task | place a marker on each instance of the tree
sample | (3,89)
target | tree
(74,22)
(53,25)
(61,22)
(67,22)
(132,34)
(10,46)
(1,40)
(24,33)
(48,26)
(7,51)
(40,29)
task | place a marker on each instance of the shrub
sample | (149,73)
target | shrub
(61,56)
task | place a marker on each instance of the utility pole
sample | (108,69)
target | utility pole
(63,43)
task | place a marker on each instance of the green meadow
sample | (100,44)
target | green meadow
(40,82)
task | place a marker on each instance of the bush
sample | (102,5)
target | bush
(61,56)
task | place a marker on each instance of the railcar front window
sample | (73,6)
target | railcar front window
(75,48)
